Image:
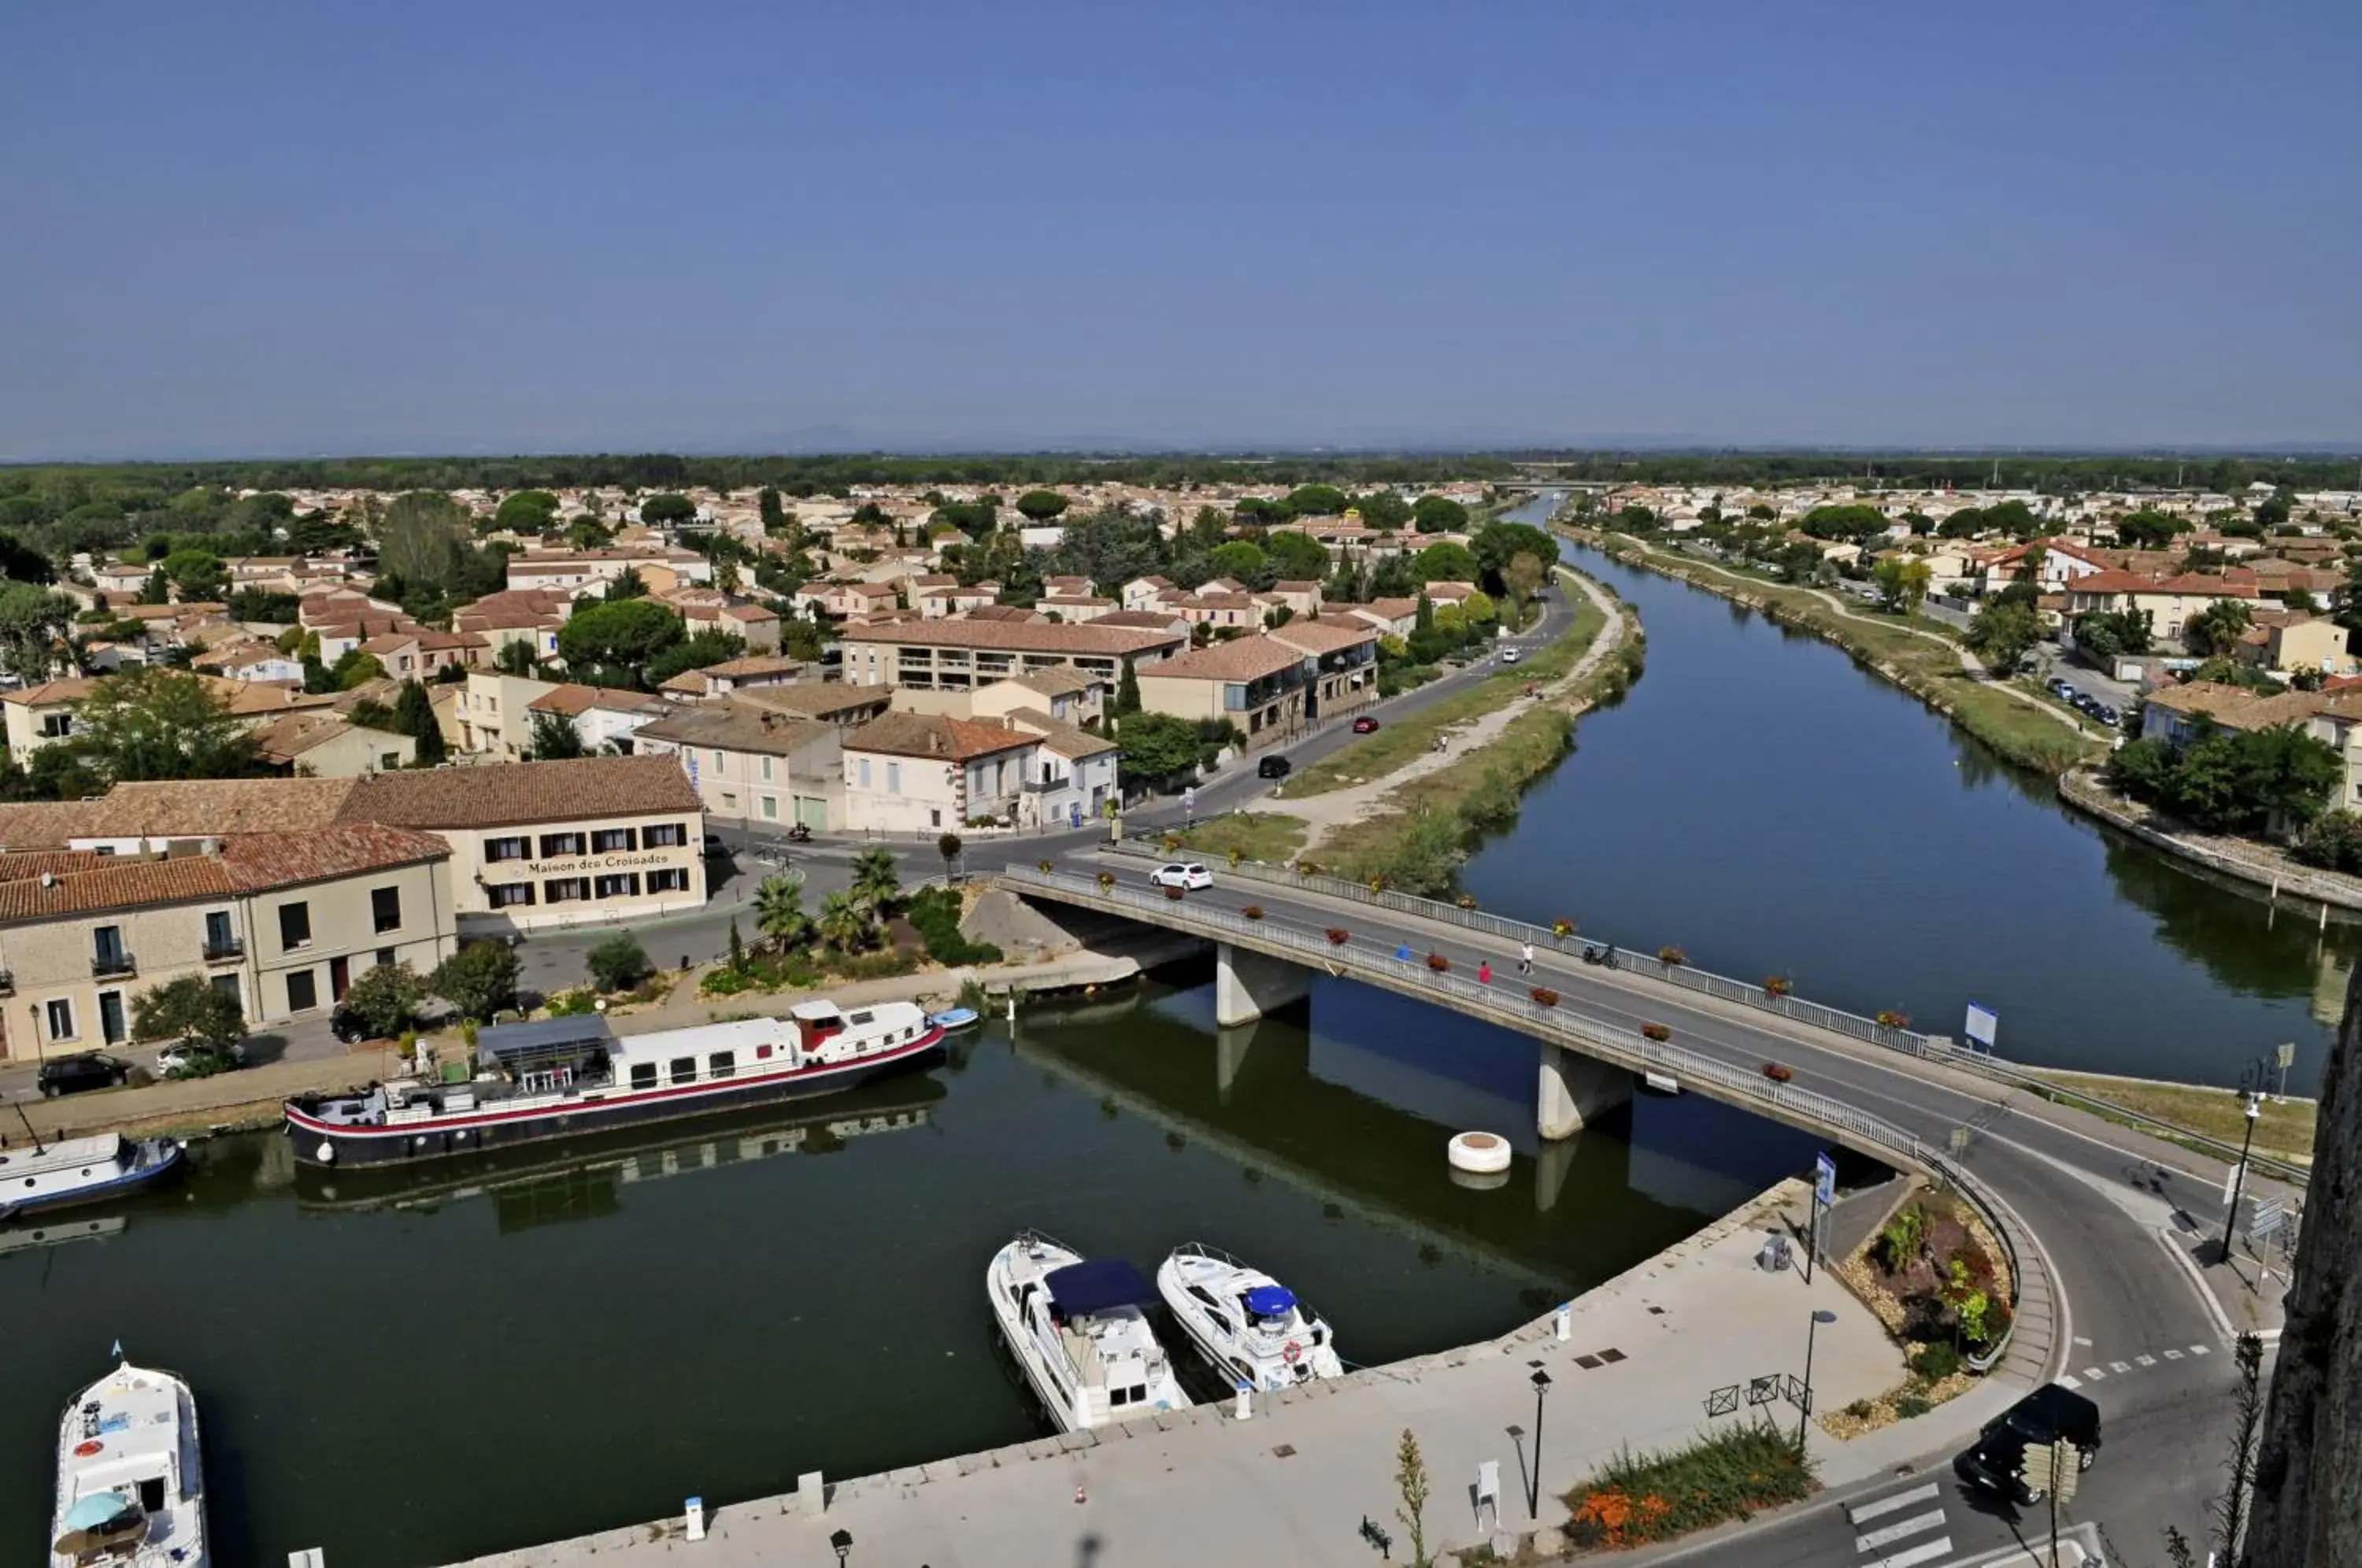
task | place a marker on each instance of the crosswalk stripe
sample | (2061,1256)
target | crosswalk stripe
(2197,1349)
(1901,1530)
(2068,1380)
(2118,1366)
(2173,1355)
(1916,1555)
(2093,1375)
(2145,1360)
(1860,1512)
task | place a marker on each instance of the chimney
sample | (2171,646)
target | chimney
(49,880)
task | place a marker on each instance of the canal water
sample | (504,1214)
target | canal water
(1769,806)
(407,1376)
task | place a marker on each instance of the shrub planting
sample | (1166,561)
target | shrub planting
(1544,997)
(1776,1073)
(1655,1032)
(1252,911)
(1672,956)
(1636,1498)
(1439,963)
(1339,936)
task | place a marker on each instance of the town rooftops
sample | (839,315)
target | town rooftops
(1320,637)
(1243,659)
(571,699)
(2188,584)
(1095,637)
(286,740)
(829,701)
(1059,682)
(242,865)
(731,725)
(935,735)
(75,688)
(504,794)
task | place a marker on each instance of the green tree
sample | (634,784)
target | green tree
(667,510)
(516,658)
(530,512)
(618,963)
(1411,1485)
(158,723)
(1439,515)
(701,649)
(1855,522)
(2104,633)
(32,622)
(479,979)
(1315,501)
(1523,580)
(2148,530)
(611,643)
(1295,557)
(413,715)
(189,1009)
(1239,559)
(843,922)
(2217,628)
(554,739)
(1902,582)
(1127,691)
(1041,505)
(198,574)
(2003,634)
(949,847)
(1382,509)
(772,511)
(425,537)
(1446,563)
(1496,545)
(584,531)
(626,584)
(876,877)
(780,910)
(384,1000)
(1153,747)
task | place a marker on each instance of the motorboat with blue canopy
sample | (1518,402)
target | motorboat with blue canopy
(1248,1324)
(1080,1331)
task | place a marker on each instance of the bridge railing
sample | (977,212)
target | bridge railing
(1685,975)
(1812,1013)
(1516,1008)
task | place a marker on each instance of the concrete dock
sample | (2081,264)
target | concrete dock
(1294,1484)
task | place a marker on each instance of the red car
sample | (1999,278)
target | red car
(1364,725)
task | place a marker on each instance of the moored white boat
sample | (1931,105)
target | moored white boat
(81,1170)
(131,1490)
(1248,1324)
(953,1018)
(1080,1331)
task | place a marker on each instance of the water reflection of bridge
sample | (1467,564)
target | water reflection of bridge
(1305,1105)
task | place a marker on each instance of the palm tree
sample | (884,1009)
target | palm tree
(780,910)
(843,922)
(876,877)
(2216,628)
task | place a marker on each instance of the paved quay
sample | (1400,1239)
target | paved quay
(1293,1484)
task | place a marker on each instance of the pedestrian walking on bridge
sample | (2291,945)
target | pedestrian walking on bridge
(1485,973)
(1525,958)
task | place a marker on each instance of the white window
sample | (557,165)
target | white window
(718,767)
(771,807)
(62,1020)
(893,778)
(766,770)
(865,773)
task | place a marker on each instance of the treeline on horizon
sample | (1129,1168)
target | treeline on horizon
(2061,471)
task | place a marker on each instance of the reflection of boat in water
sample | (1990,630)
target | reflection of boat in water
(131,1490)
(547,1079)
(580,1177)
(58,1232)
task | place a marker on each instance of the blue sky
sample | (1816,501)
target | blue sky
(296,227)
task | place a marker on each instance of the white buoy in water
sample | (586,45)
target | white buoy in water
(1480,1152)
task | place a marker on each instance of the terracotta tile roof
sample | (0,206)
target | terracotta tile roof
(2187,583)
(201,807)
(1140,620)
(284,740)
(1012,614)
(257,861)
(125,885)
(571,699)
(733,726)
(748,666)
(817,702)
(1060,682)
(78,688)
(503,794)
(934,734)
(1323,637)
(18,863)
(250,863)
(1068,741)
(1243,659)
(1039,636)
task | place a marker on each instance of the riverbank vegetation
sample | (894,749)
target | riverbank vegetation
(2284,1127)
(1917,655)
(1414,734)
(1268,836)
(2243,781)
(1719,1477)
(1419,843)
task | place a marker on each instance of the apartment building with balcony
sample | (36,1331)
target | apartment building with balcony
(962,654)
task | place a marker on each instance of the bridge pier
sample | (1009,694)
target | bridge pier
(1574,1090)
(1247,985)
(1231,1055)
(1551,1162)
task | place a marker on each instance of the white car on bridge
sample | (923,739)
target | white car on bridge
(1186,874)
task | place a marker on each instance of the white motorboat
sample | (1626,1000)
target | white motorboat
(71,1171)
(131,1490)
(1080,1331)
(1246,1323)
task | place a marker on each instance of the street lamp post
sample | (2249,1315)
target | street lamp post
(2254,1111)
(1805,1409)
(1534,1475)
(843,1540)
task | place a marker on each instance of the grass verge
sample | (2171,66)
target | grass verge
(2284,1130)
(1721,1476)
(1250,836)
(1407,739)
(1419,843)
(1927,666)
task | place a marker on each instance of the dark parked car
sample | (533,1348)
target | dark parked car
(1364,725)
(1273,767)
(2049,1413)
(91,1070)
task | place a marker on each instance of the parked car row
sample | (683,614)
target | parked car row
(2084,702)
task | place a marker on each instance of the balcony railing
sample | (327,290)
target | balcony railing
(227,948)
(103,964)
